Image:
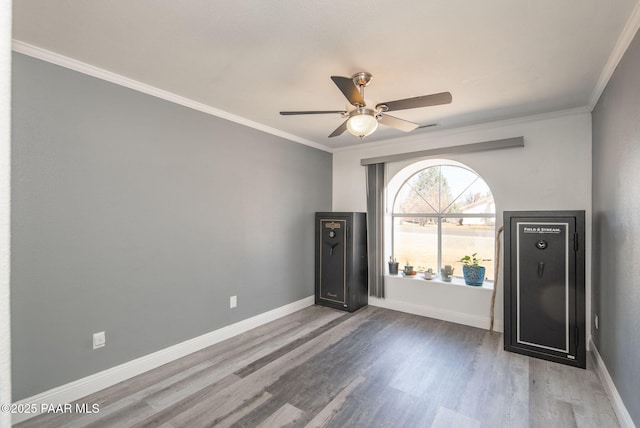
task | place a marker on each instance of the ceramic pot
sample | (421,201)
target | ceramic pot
(473,275)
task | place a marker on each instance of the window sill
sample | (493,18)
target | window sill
(455,281)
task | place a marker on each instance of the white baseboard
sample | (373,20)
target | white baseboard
(624,418)
(437,313)
(82,387)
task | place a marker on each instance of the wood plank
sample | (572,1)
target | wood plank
(446,418)
(548,411)
(323,418)
(286,415)
(240,412)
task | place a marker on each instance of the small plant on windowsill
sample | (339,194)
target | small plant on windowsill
(472,271)
(446,273)
(393,266)
(408,270)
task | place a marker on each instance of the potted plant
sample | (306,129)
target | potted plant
(446,273)
(428,274)
(393,266)
(472,271)
(408,271)
(408,268)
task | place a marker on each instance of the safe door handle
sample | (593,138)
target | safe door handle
(540,269)
(332,246)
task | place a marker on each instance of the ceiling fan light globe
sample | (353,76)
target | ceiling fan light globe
(362,125)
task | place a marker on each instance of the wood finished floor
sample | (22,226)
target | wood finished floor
(374,368)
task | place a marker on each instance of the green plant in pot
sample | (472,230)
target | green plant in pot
(408,268)
(472,271)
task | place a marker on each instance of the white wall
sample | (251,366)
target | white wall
(552,172)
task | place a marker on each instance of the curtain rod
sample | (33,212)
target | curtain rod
(506,143)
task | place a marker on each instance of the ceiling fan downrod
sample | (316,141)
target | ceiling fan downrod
(361,79)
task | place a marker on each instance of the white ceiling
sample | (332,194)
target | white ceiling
(253,58)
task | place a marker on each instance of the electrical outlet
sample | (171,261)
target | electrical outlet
(233,301)
(595,322)
(99,340)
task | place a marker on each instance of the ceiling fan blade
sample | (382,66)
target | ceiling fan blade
(416,102)
(339,130)
(293,113)
(394,122)
(349,89)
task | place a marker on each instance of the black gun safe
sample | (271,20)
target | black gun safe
(544,285)
(341,260)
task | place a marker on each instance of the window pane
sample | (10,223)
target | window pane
(455,181)
(420,194)
(465,236)
(472,195)
(416,240)
(411,202)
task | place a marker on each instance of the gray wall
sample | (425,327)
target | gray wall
(141,218)
(616,227)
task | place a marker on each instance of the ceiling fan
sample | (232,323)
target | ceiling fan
(363,121)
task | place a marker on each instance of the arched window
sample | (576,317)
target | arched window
(440,214)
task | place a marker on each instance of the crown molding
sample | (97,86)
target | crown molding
(88,69)
(621,46)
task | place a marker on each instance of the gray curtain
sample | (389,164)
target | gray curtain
(375,221)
